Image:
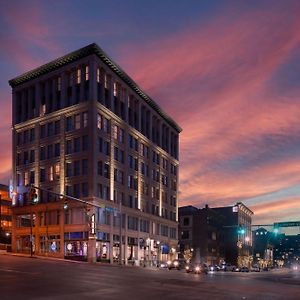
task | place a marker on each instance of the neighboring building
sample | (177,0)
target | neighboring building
(82,127)
(5,215)
(217,235)
(201,231)
(237,234)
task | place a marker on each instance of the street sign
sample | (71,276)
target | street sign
(287,224)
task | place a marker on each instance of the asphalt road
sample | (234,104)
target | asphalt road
(32,278)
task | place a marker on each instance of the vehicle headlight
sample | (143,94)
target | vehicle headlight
(197,269)
(187,267)
(169,262)
(175,263)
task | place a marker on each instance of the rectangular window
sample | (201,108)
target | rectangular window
(105,81)
(84,167)
(99,121)
(57,170)
(49,151)
(51,173)
(26,178)
(115,132)
(99,168)
(85,143)
(57,127)
(42,153)
(32,134)
(106,125)
(69,146)
(85,119)
(78,76)
(68,169)
(84,189)
(69,123)
(115,89)
(57,149)
(77,121)
(98,75)
(77,144)
(76,168)
(59,84)
(31,177)
(43,131)
(86,73)
(42,175)
(32,156)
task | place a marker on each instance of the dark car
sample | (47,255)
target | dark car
(196,269)
(175,264)
(244,269)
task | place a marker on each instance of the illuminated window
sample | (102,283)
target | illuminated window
(59,83)
(57,170)
(78,77)
(105,81)
(26,178)
(115,89)
(77,121)
(51,173)
(43,110)
(98,75)
(86,73)
(85,119)
(99,121)
(116,132)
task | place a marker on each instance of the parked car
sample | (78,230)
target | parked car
(255,269)
(229,267)
(244,269)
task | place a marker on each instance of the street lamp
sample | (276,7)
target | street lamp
(158,252)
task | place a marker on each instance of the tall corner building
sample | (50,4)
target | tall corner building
(82,127)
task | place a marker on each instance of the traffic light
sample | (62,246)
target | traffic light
(241,230)
(33,197)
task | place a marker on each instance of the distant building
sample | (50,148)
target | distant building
(83,128)
(275,248)
(215,235)
(201,231)
(263,241)
(5,215)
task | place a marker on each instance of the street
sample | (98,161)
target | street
(34,278)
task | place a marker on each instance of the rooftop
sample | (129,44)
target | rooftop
(81,53)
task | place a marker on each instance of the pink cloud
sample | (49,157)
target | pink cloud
(215,80)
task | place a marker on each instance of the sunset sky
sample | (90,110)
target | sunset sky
(227,71)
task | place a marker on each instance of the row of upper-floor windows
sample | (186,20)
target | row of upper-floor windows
(50,100)
(78,121)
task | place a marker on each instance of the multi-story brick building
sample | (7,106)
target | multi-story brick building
(82,127)
(218,234)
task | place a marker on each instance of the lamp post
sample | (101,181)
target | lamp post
(158,253)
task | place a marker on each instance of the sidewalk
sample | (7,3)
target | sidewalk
(3,252)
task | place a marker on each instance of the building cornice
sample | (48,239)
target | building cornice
(84,52)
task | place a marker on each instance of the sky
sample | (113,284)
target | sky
(227,71)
